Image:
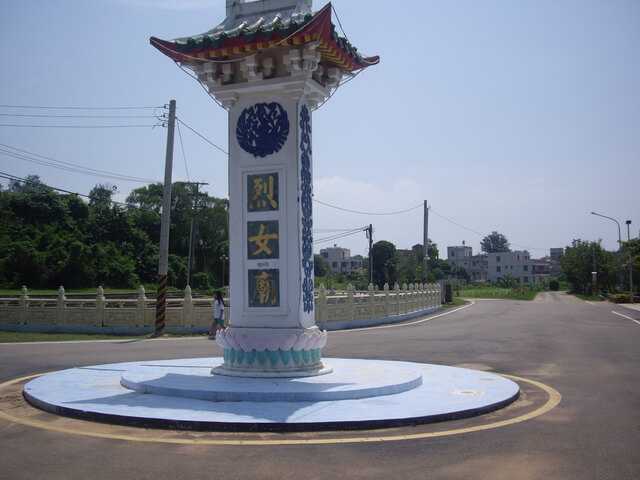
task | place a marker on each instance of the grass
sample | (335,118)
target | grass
(518,293)
(590,298)
(457,301)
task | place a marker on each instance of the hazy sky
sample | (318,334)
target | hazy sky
(515,116)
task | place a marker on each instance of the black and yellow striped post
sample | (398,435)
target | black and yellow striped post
(161,304)
(163,257)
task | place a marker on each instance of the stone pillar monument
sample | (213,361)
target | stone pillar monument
(270,63)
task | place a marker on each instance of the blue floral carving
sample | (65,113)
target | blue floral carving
(262,129)
(305,200)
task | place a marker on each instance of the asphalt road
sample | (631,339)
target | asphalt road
(585,351)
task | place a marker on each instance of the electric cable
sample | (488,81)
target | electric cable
(184,156)
(26,155)
(202,136)
(366,213)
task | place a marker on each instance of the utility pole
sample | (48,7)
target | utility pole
(425,240)
(630,263)
(193,228)
(163,262)
(370,235)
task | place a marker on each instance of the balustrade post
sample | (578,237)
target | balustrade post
(60,307)
(412,298)
(350,312)
(187,308)
(432,296)
(403,296)
(321,306)
(24,305)
(387,300)
(396,291)
(372,300)
(142,306)
(100,306)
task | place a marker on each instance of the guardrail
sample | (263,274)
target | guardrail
(50,313)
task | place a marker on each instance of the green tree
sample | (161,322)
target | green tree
(580,259)
(632,246)
(383,256)
(494,243)
(320,266)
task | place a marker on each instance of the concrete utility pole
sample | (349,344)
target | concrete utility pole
(370,235)
(425,240)
(193,228)
(628,222)
(163,262)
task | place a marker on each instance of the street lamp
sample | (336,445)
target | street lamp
(619,244)
(628,222)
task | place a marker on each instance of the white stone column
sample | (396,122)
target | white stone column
(273,331)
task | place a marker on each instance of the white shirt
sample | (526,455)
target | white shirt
(218,309)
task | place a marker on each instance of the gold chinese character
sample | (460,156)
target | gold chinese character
(266,291)
(262,241)
(262,193)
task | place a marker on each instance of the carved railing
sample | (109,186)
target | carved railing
(100,311)
(196,314)
(375,304)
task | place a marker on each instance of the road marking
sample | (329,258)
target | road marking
(395,325)
(553,400)
(623,315)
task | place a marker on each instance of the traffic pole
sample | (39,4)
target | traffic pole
(163,262)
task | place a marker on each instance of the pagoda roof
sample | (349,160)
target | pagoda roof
(299,28)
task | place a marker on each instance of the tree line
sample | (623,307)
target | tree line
(48,239)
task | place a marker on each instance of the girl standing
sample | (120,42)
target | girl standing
(218,315)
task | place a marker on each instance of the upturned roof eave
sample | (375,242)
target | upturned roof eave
(334,49)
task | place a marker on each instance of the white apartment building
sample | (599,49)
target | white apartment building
(341,261)
(463,256)
(517,264)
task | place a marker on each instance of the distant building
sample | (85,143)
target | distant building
(341,261)
(541,269)
(555,254)
(517,264)
(463,256)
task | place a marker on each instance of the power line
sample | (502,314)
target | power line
(29,115)
(79,108)
(342,235)
(184,156)
(202,136)
(482,234)
(26,155)
(8,176)
(366,213)
(76,126)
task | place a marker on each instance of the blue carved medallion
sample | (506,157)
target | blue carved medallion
(262,129)
(305,200)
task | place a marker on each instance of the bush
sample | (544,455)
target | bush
(554,285)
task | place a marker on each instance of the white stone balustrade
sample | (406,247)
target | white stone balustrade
(332,310)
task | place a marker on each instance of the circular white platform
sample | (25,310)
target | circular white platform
(183,394)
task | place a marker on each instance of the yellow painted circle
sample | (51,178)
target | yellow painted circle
(553,400)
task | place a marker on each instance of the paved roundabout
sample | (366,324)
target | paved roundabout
(184,394)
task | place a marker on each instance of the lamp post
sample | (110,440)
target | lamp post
(619,244)
(628,222)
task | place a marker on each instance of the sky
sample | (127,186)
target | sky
(520,117)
